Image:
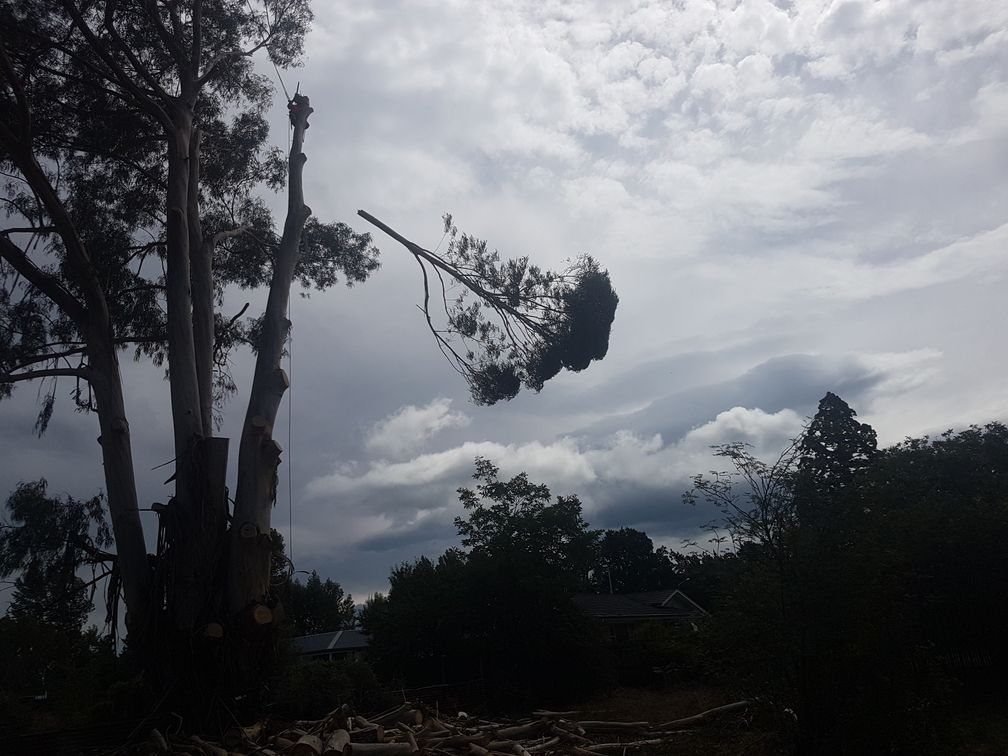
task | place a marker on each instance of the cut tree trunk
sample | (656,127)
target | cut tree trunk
(249,552)
(193,521)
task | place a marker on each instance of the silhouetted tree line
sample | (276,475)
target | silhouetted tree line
(856,593)
(499,609)
(865,595)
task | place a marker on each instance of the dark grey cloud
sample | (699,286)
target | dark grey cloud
(796,382)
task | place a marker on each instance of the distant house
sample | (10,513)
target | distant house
(622,612)
(335,646)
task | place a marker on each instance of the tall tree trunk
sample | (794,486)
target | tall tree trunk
(258,454)
(201,277)
(92,317)
(189,592)
(120,484)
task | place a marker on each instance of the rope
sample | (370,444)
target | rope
(282,86)
(287,95)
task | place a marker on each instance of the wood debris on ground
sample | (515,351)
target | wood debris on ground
(415,729)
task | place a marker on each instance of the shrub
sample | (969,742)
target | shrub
(310,690)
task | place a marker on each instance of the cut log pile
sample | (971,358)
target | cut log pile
(414,729)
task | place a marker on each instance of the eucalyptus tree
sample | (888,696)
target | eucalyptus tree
(134,150)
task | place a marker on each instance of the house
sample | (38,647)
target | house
(334,646)
(623,612)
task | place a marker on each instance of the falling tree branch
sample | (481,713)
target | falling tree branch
(491,298)
(29,230)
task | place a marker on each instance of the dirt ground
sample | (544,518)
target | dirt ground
(734,735)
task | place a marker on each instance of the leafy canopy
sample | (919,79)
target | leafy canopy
(97,86)
(516,521)
(46,541)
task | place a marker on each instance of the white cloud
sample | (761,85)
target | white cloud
(979,256)
(408,427)
(568,465)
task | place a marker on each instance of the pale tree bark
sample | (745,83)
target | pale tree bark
(93,321)
(199,511)
(259,454)
(201,276)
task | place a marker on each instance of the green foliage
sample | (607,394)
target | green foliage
(513,522)
(857,602)
(501,612)
(53,679)
(90,131)
(627,562)
(310,690)
(756,498)
(46,541)
(835,447)
(515,323)
(318,606)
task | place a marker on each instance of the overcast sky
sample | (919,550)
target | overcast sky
(791,198)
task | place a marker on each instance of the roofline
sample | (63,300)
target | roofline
(682,595)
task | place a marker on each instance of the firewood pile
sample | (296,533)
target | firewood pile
(414,729)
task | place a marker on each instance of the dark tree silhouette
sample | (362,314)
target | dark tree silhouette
(46,541)
(133,141)
(627,562)
(318,606)
(501,610)
(833,450)
(515,521)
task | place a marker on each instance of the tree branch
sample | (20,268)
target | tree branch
(118,74)
(30,375)
(28,230)
(10,75)
(49,285)
(201,80)
(221,235)
(197,35)
(48,356)
(173,45)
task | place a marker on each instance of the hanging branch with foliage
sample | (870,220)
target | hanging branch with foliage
(511,323)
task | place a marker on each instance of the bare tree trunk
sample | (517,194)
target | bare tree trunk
(120,485)
(191,562)
(201,275)
(259,454)
(92,318)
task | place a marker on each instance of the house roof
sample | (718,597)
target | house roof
(651,604)
(669,599)
(338,640)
